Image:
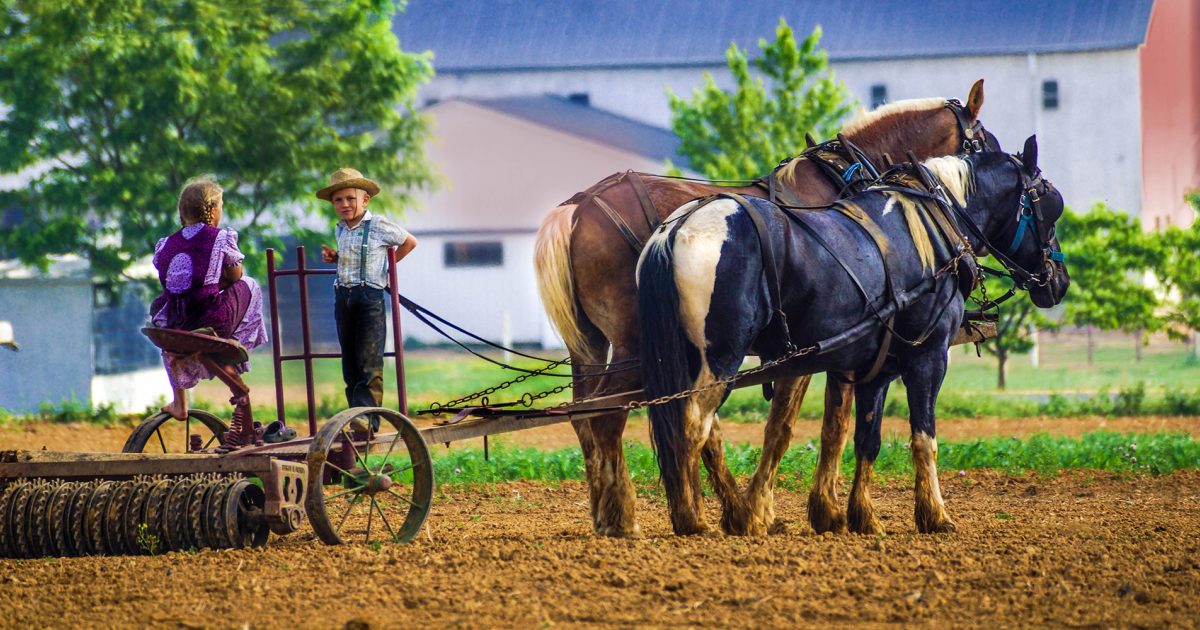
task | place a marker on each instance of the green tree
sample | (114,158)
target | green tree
(114,104)
(745,133)
(1178,269)
(1109,256)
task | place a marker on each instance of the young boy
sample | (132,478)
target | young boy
(362,240)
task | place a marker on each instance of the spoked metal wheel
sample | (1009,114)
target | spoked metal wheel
(161,433)
(364,485)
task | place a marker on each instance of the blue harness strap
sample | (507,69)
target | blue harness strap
(1022,225)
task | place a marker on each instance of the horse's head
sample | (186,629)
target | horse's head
(1020,225)
(927,127)
(971,136)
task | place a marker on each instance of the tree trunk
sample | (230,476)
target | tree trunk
(1035,356)
(1002,362)
(1139,341)
(1090,345)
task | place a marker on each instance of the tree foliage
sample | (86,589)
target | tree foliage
(1108,255)
(114,104)
(745,133)
(1178,268)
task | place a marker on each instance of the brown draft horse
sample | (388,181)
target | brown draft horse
(586,253)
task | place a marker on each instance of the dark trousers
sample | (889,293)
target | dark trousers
(362,331)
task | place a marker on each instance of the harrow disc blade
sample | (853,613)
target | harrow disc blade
(18,520)
(56,508)
(175,516)
(35,521)
(114,519)
(135,523)
(74,518)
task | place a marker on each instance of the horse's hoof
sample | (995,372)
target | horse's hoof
(746,525)
(697,529)
(867,525)
(944,526)
(614,531)
(824,519)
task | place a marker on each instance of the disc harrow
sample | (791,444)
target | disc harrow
(143,515)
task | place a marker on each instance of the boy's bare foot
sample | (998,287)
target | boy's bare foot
(176,409)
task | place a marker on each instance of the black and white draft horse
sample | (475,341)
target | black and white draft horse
(873,285)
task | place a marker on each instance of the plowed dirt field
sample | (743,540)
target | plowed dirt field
(1084,549)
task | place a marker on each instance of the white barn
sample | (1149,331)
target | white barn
(1111,87)
(508,162)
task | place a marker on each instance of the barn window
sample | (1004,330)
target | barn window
(1050,94)
(878,95)
(474,254)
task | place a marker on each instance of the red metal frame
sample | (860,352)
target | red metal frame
(307,355)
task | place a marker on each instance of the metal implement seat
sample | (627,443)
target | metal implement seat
(219,355)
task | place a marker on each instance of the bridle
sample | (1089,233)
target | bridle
(1029,212)
(970,129)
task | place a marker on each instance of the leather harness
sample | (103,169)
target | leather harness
(643,195)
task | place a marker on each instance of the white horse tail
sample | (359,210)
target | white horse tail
(556,284)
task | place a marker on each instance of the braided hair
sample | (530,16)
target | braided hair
(199,197)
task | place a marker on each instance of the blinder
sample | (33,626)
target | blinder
(1029,214)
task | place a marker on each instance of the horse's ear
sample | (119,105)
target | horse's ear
(1029,154)
(975,99)
(810,140)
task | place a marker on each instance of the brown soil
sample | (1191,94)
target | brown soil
(90,437)
(1082,549)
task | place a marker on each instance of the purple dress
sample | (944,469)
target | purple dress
(190,263)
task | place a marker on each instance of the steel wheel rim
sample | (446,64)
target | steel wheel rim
(148,436)
(370,489)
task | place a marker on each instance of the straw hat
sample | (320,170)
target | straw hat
(347,178)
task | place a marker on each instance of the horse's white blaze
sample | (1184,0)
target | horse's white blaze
(889,206)
(697,251)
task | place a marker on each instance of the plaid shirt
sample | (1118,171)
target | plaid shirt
(360,263)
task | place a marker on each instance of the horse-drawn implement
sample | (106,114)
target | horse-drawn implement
(171,488)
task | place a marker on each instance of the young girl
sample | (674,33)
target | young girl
(200,268)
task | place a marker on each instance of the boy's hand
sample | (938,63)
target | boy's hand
(328,254)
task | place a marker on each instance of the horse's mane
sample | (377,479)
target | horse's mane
(955,174)
(888,120)
(888,113)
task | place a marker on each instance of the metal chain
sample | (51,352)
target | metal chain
(636,404)
(483,393)
(982,290)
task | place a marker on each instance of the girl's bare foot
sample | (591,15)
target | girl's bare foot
(178,408)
